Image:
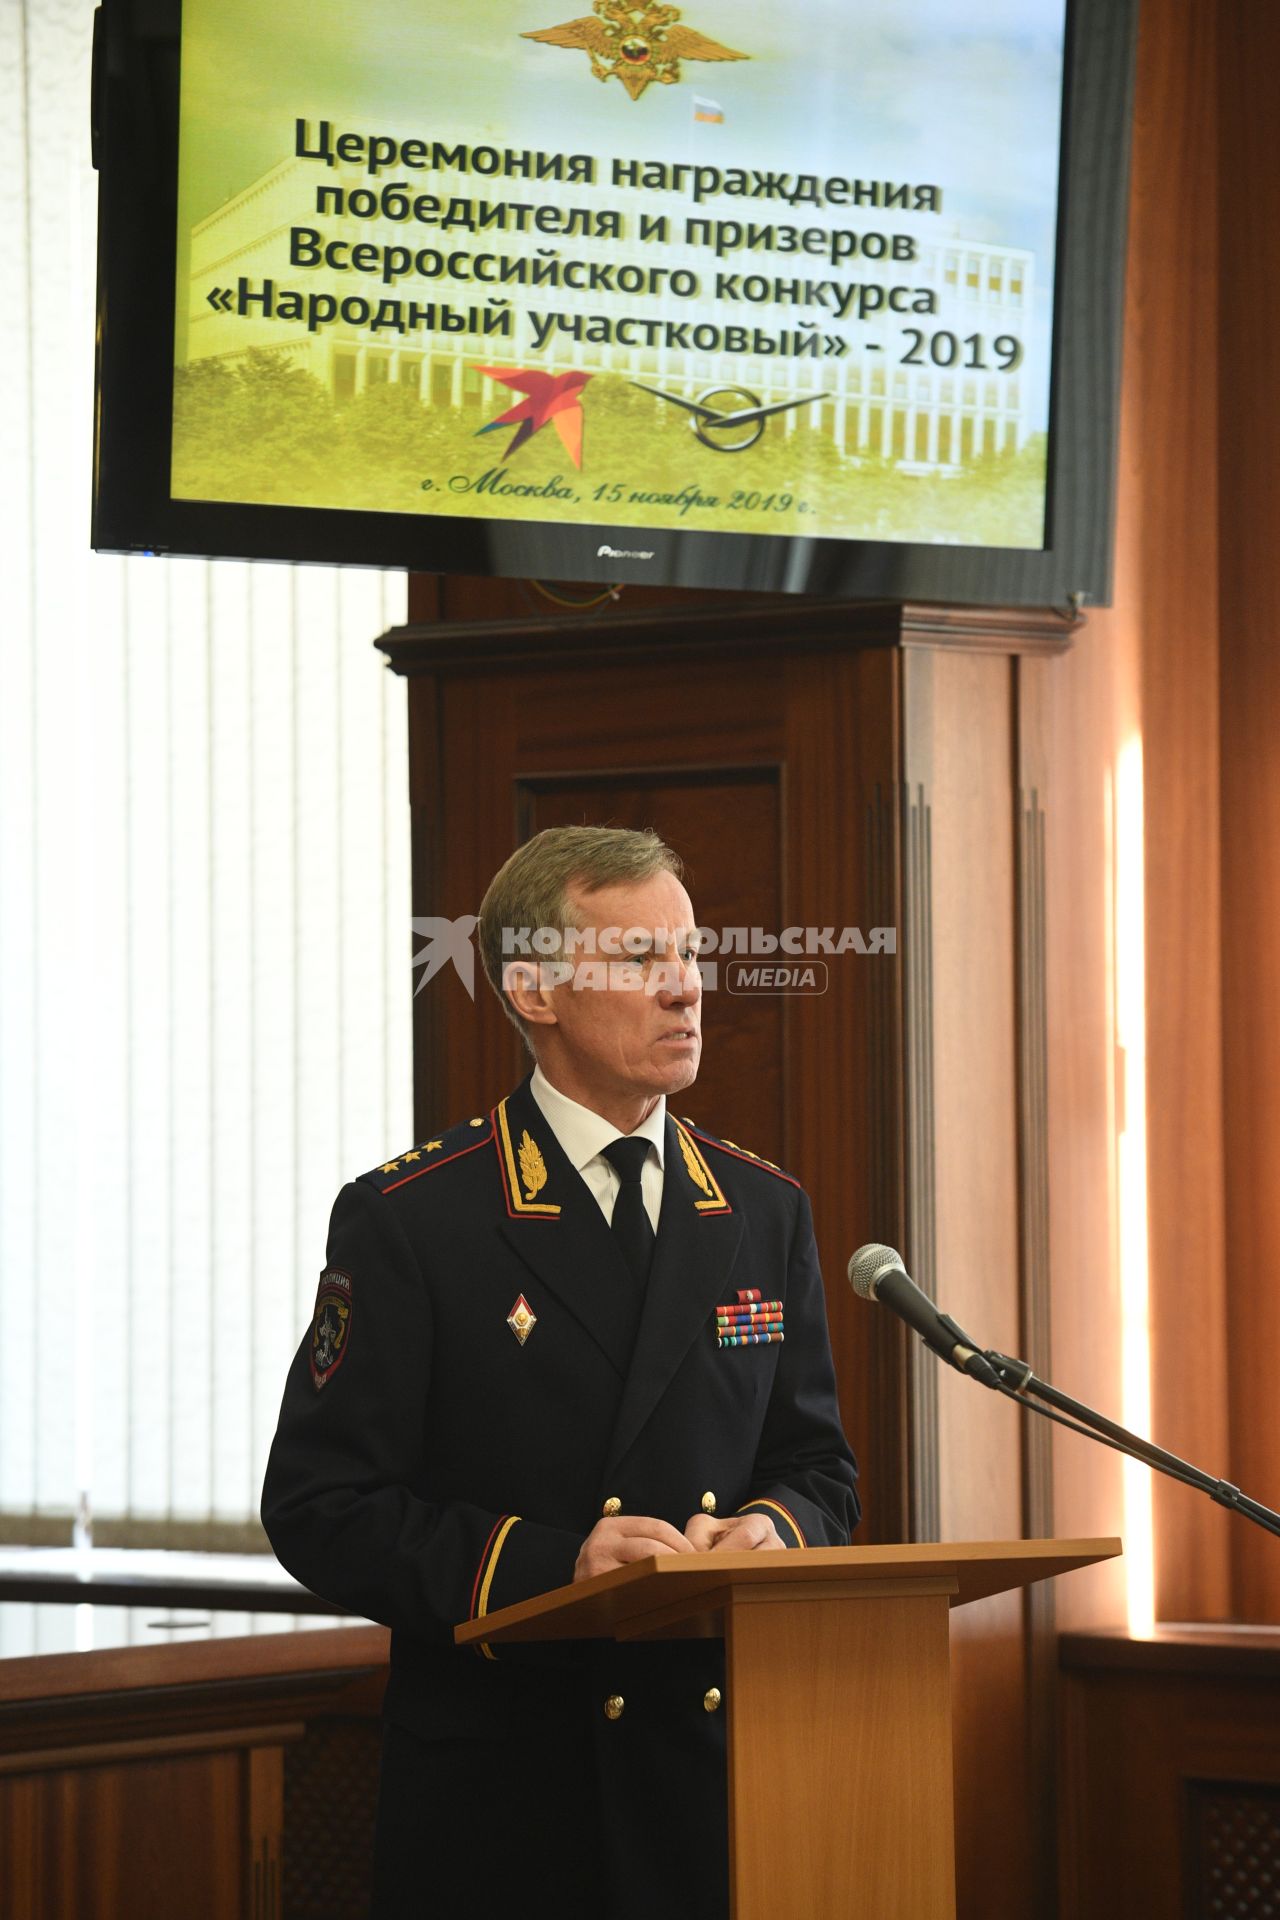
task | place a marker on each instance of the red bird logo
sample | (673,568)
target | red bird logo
(553,399)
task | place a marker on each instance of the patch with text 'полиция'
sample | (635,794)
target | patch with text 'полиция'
(331,1327)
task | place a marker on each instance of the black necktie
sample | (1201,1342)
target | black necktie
(632,1228)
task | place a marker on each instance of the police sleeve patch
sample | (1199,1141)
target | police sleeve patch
(331,1326)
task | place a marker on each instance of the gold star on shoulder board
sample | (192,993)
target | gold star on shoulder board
(635,44)
(432,1146)
(392,1166)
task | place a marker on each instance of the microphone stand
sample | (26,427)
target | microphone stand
(1016,1381)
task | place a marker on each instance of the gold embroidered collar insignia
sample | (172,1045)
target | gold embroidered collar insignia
(524,1175)
(695,1165)
(533,1168)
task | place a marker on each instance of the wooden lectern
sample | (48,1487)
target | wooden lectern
(838,1694)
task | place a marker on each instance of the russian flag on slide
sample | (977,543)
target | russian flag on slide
(708,111)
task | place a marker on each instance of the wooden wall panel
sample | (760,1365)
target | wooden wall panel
(480,1056)
(1082,728)
(1034,800)
(1150,1731)
(1146,669)
(463,597)
(958,751)
(1170,506)
(842,733)
(1185,661)
(97,1842)
(975,1072)
(149,1782)
(1249,393)
(507,743)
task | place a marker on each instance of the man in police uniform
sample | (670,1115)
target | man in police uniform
(568,1334)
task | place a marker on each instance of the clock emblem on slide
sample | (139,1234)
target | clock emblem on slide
(729,419)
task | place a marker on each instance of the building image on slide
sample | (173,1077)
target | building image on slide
(932,415)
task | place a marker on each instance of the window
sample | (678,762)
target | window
(204,930)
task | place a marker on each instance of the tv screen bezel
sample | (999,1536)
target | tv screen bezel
(135,131)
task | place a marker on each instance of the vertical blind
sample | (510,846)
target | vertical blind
(204,916)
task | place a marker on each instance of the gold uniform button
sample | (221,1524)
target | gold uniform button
(711,1700)
(613,1707)
(708,1503)
(611,1507)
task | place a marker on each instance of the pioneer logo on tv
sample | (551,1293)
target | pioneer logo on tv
(620,553)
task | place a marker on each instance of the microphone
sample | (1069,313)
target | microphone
(877,1273)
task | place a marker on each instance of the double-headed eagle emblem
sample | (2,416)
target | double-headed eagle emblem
(636,45)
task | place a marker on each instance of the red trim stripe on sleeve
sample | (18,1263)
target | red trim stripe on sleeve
(776,1506)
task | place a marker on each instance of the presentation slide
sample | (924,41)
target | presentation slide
(744,268)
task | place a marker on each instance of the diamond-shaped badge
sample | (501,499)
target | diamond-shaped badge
(522,1319)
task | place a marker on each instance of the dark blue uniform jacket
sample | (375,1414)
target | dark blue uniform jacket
(431,1466)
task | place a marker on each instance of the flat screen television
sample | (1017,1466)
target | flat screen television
(822,298)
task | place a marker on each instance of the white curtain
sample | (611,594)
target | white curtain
(204,915)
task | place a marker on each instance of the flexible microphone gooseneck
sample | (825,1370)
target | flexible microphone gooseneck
(877,1273)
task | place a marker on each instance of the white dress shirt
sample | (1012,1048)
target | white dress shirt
(583,1135)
